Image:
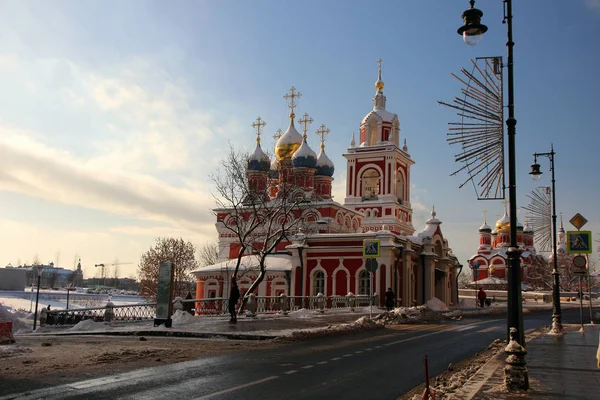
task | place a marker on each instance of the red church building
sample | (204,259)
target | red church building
(328,257)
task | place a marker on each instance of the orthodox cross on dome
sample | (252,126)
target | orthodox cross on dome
(291,96)
(323,131)
(485,215)
(258,124)
(278,134)
(306,120)
(379,84)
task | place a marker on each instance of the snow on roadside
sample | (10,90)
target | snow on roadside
(89,325)
(7,315)
(361,324)
(182,318)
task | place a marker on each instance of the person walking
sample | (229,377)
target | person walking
(481,296)
(389,299)
(234,296)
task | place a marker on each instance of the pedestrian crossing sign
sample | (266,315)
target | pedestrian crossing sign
(371,248)
(579,242)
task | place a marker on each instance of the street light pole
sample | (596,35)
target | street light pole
(535,174)
(516,376)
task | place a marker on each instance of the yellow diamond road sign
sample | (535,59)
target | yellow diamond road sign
(578,221)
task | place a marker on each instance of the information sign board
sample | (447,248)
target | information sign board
(371,248)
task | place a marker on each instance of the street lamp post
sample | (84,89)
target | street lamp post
(535,174)
(515,373)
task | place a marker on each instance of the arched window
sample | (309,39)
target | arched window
(400,187)
(364,282)
(318,283)
(370,185)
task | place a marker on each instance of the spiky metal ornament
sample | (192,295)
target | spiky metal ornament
(539,212)
(480,131)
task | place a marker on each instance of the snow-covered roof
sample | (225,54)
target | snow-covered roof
(273,262)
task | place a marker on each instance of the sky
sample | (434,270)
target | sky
(114,115)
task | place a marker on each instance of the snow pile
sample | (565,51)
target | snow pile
(7,315)
(302,313)
(436,304)
(182,318)
(466,303)
(361,324)
(12,350)
(449,382)
(88,325)
(409,315)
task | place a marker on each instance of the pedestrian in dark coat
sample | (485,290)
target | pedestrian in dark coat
(234,296)
(481,296)
(389,299)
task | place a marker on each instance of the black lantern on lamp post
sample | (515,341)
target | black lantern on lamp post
(535,174)
(515,372)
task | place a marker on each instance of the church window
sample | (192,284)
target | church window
(364,282)
(318,283)
(400,187)
(370,185)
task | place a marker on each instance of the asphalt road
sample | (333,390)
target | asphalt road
(381,364)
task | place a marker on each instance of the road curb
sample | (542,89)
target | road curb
(185,334)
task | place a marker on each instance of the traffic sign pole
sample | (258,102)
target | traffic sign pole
(580,304)
(589,282)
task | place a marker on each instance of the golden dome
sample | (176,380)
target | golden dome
(379,85)
(504,222)
(289,142)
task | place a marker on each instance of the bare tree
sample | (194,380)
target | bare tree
(257,221)
(208,254)
(180,253)
(464,279)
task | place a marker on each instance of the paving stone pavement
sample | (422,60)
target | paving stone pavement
(559,367)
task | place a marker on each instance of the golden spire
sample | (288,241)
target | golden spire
(306,120)
(291,96)
(258,124)
(277,135)
(322,131)
(379,84)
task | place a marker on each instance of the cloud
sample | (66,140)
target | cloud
(33,169)
(593,5)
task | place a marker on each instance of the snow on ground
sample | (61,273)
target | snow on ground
(436,304)
(89,325)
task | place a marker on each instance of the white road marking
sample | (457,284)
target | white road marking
(322,362)
(292,371)
(307,366)
(358,352)
(347,355)
(369,349)
(336,358)
(232,389)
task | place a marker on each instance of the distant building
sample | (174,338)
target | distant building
(12,278)
(492,256)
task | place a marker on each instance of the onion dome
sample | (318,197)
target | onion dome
(304,157)
(485,227)
(258,160)
(504,222)
(527,228)
(274,172)
(324,165)
(289,142)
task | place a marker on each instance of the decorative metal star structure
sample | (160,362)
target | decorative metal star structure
(539,213)
(480,129)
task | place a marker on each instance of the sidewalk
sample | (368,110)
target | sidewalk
(559,367)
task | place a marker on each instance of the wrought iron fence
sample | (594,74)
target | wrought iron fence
(202,307)
(126,313)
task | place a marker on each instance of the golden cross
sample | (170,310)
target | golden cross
(305,121)
(277,135)
(379,62)
(291,96)
(485,214)
(257,125)
(322,131)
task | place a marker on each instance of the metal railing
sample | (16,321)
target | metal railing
(200,307)
(126,313)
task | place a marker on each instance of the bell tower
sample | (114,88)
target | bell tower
(378,170)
